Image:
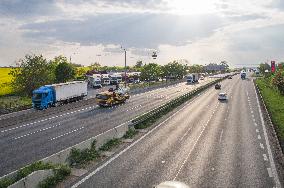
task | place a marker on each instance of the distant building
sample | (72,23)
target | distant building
(214,67)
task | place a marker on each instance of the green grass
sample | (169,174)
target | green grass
(5,81)
(14,103)
(275,105)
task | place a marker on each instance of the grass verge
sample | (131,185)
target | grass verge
(274,102)
(14,103)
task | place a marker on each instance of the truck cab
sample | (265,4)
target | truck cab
(43,97)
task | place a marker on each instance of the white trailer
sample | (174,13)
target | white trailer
(192,78)
(105,79)
(70,90)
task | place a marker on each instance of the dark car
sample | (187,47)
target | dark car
(230,77)
(218,86)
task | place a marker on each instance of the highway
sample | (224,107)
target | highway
(33,135)
(206,143)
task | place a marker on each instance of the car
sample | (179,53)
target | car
(217,86)
(222,96)
(230,77)
(201,78)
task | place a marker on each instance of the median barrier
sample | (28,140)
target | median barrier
(32,180)
(61,157)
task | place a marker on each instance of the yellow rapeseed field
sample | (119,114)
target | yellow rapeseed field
(5,80)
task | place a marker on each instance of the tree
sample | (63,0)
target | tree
(263,67)
(174,70)
(196,68)
(138,65)
(33,71)
(151,72)
(278,81)
(64,71)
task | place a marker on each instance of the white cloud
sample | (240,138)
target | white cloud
(244,31)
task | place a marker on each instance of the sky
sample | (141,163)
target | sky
(243,32)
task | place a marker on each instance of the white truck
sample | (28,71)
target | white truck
(192,78)
(95,81)
(105,79)
(115,79)
(50,95)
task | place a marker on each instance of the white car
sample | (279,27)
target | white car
(222,96)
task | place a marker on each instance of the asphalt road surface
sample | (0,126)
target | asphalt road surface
(34,138)
(207,143)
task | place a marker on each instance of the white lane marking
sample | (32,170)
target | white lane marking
(39,121)
(273,168)
(131,145)
(269,172)
(261,145)
(38,131)
(187,157)
(220,139)
(265,157)
(67,133)
(185,133)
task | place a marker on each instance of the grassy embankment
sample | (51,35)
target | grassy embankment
(275,105)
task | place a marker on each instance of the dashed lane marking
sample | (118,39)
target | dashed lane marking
(75,130)
(269,172)
(265,157)
(38,131)
(261,145)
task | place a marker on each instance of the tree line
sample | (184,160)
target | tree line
(34,71)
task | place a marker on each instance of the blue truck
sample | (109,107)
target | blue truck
(52,95)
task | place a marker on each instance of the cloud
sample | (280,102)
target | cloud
(278,4)
(129,30)
(22,9)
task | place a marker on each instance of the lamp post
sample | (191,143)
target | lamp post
(124,66)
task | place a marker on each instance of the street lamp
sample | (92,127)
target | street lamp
(124,66)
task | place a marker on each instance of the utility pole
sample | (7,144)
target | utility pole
(125,68)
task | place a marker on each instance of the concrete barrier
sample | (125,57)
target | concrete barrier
(62,156)
(32,180)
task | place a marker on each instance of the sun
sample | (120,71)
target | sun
(192,6)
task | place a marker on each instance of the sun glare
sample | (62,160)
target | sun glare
(192,6)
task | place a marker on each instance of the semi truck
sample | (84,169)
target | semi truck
(115,79)
(105,79)
(95,81)
(52,95)
(192,78)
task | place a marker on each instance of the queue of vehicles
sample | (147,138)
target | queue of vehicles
(56,94)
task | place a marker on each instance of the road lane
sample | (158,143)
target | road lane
(36,140)
(221,148)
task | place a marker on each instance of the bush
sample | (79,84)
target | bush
(59,174)
(278,81)
(6,182)
(110,144)
(39,165)
(130,133)
(80,157)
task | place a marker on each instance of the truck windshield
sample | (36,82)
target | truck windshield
(37,96)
